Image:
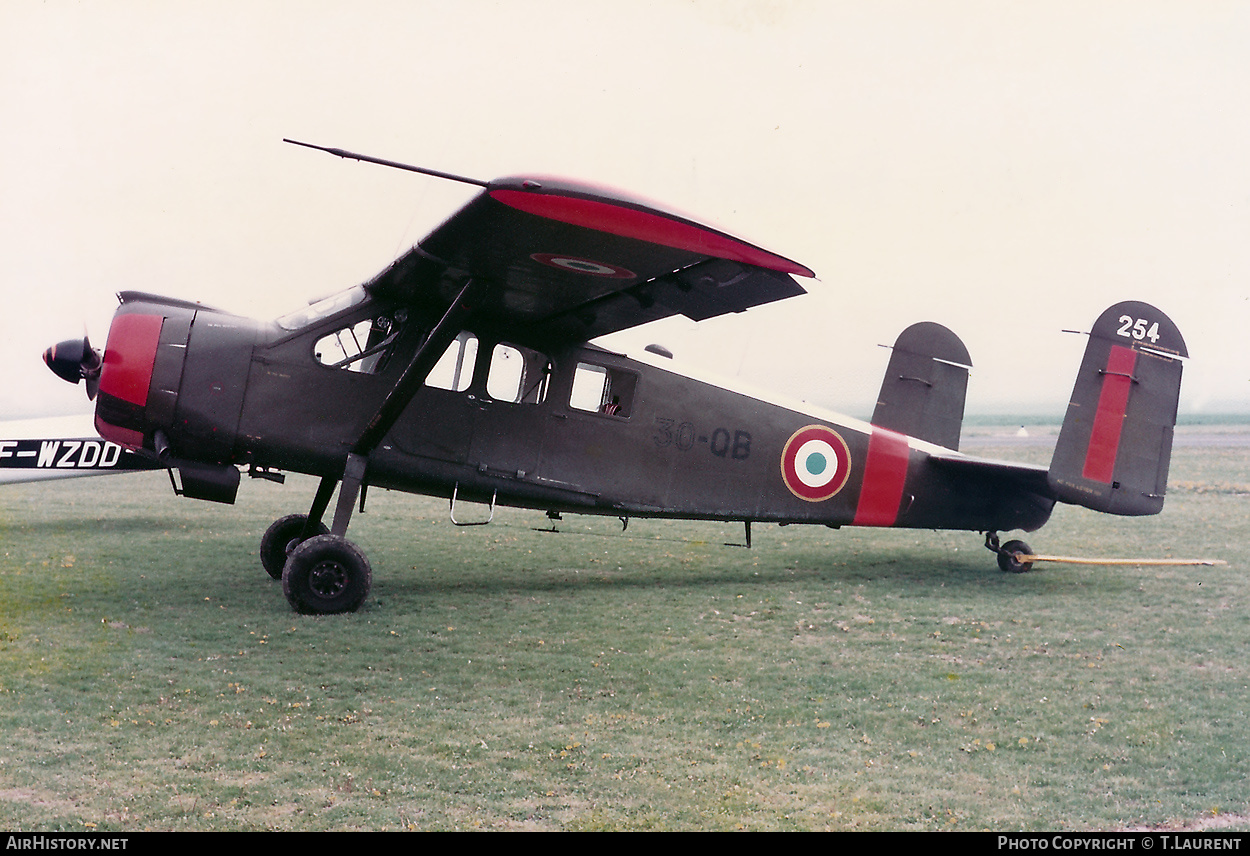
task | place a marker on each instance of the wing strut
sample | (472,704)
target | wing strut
(423,362)
(419,368)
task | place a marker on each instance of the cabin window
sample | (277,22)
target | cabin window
(363,347)
(454,370)
(598,389)
(518,375)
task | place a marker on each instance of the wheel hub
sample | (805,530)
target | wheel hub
(328,579)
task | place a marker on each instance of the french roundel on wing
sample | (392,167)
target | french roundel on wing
(815,463)
(586,266)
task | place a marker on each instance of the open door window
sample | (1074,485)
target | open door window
(599,389)
(518,375)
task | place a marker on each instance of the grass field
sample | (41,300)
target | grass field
(153,677)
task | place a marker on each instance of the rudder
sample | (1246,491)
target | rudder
(1116,440)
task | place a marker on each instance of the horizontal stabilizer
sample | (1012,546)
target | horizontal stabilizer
(1116,441)
(925,383)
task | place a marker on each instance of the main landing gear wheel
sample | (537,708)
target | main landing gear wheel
(281,539)
(1008,557)
(326,574)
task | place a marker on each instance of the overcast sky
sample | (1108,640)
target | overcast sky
(1009,169)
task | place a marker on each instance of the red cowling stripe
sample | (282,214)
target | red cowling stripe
(129,357)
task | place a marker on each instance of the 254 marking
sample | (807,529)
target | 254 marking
(1136,328)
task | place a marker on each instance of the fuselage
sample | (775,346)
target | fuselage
(549,426)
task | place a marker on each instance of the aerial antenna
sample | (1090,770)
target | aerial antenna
(366,158)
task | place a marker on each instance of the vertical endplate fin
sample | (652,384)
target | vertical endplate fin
(925,384)
(1116,440)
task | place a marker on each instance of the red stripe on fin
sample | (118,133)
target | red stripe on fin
(1104,438)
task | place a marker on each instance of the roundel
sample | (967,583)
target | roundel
(586,266)
(815,463)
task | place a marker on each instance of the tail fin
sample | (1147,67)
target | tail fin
(925,383)
(1116,440)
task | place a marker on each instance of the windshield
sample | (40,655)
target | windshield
(323,308)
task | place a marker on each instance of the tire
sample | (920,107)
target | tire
(1007,557)
(280,540)
(326,575)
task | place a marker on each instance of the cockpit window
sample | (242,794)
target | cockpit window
(323,308)
(363,347)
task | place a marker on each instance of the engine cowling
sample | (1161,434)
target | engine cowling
(171,381)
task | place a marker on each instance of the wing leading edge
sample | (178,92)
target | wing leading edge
(568,262)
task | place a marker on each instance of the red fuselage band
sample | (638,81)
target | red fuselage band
(884,474)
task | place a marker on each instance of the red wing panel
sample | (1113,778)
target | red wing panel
(649,226)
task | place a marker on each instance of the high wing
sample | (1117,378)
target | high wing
(565,262)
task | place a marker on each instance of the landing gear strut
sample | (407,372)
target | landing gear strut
(325,573)
(1009,553)
(322,572)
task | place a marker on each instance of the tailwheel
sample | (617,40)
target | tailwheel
(1008,557)
(1009,554)
(326,574)
(281,539)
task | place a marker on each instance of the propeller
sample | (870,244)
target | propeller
(74,360)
